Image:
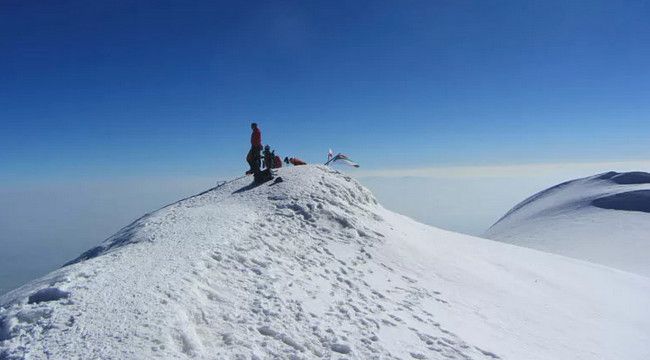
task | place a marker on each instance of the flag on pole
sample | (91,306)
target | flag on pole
(331,159)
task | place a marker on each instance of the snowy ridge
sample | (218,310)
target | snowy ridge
(603,218)
(313,267)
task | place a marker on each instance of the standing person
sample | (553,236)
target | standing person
(253,156)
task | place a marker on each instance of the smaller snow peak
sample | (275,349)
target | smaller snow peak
(577,193)
(601,218)
(638,200)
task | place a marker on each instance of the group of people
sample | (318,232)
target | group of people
(259,155)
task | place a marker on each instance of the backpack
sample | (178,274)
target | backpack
(262,176)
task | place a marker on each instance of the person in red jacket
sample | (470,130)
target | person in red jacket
(277,162)
(294,161)
(253,157)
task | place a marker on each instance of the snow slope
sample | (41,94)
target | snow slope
(604,218)
(313,267)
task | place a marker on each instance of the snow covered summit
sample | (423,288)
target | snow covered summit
(603,218)
(313,267)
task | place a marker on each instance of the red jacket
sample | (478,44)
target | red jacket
(296,162)
(256,138)
(277,162)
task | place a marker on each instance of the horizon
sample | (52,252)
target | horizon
(455,111)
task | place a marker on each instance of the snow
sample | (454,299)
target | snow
(313,267)
(603,218)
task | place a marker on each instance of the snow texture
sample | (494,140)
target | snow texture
(604,219)
(314,268)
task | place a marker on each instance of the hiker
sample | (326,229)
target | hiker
(253,157)
(294,161)
(271,161)
(268,156)
(277,162)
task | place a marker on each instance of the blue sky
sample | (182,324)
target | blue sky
(112,88)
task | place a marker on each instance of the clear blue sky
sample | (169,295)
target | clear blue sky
(106,88)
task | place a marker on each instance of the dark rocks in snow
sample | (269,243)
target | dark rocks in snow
(47,294)
(4,330)
(94,252)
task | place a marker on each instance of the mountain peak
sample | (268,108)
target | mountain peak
(318,183)
(313,267)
